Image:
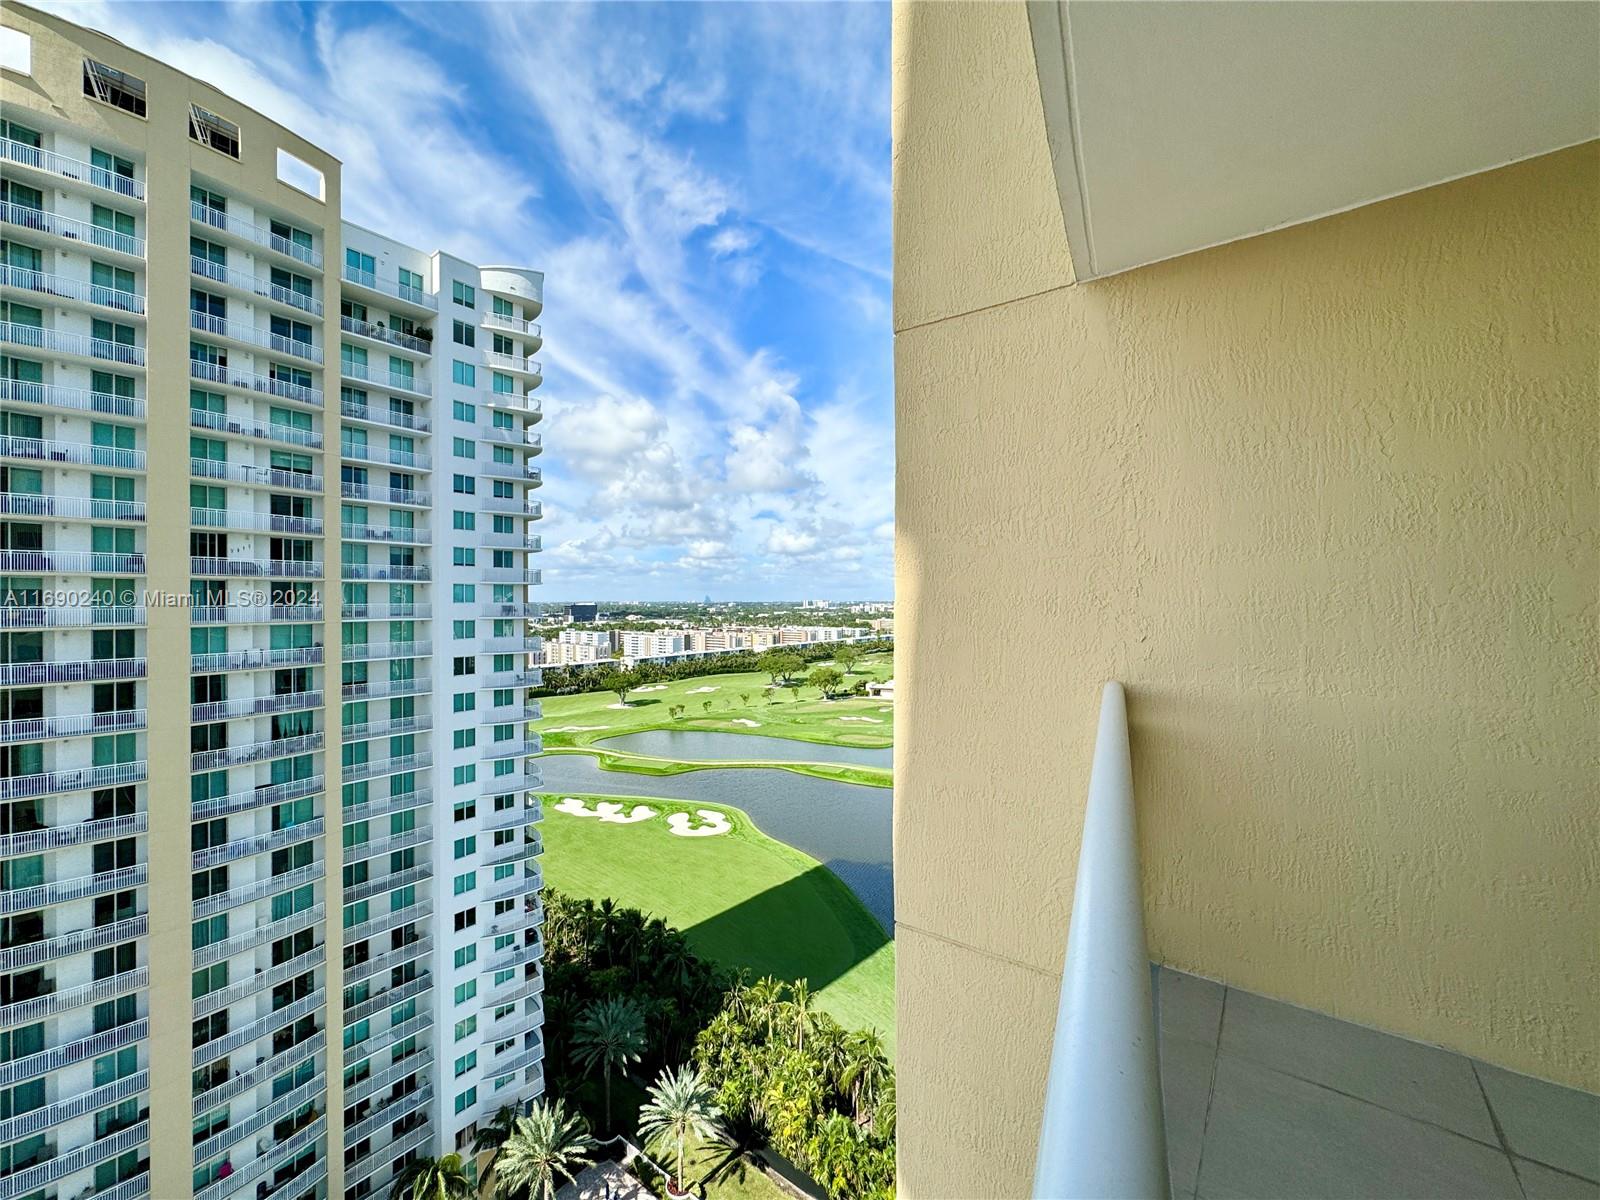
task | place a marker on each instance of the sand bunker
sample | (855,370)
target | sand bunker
(714,823)
(607,811)
(746,722)
(868,720)
(699,691)
(652,687)
(577,729)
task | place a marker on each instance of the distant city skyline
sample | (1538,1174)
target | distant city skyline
(718,350)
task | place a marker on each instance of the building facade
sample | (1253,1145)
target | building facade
(350,978)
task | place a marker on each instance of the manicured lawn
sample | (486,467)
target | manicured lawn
(742,899)
(584,718)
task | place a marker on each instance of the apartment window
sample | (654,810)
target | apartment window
(463,333)
(465,701)
(466,1062)
(465,775)
(466,810)
(464,593)
(465,1029)
(466,991)
(504,490)
(464,556)
(214,132)
(463,520)
(467,846)
(463,448)
(466,955)
(465,739)
(463,485)
(464,411)
(111,86)
(463,630)
(464,665)
(501,383)
(411,280)
(463,294)
(463,373)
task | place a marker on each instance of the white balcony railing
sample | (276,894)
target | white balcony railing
(64,287)
(255,285)
(71,168)
(357,411)
(392,288)
(51,395)
(71,229)
(222,423)
(379,332)
(42,617)
(250,381)
(78,454)
(398,380)
(250,335)
(257,234)
(60,341)
(1102,1133)
(91,670)
(35,504)
(494,320)
(384,495)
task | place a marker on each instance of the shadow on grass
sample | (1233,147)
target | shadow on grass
(810,927)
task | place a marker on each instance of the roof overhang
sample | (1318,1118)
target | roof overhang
(1177,126)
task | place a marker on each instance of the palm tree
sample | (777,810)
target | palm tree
(493,1135)
(866,1072)
(434,1179)
(609,1036)
(681,1105)
(547,1143)
(800,1011)
(740,1137)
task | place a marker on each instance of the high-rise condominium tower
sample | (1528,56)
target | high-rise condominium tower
(269,919)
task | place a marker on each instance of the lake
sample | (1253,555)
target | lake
(844,826)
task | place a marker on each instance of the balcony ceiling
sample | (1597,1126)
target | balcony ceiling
(1176,126)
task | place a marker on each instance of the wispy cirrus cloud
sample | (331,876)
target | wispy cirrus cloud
(706,188)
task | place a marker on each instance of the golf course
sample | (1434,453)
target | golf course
(742,897)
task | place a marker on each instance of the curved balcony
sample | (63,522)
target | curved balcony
(518,364)
(62,166)
(249,335)
(49,395)
(287,434)
(256,235)
(63,287)
(71,229)
(511,818)
(250,381)
(59,341)
(80,454)
(516,325)
(528,711)
(254,285)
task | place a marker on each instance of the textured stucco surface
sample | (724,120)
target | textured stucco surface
(1324,500)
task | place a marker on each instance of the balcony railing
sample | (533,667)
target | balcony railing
(1102,1132)
(50,395)
(252,706)
(387,1113)
(388,765)
(397,380)
(278,1154)
(383,806)
(78,833)
(373,651)
(247,984)
(66,1053)
(52,783)
(255,614)
(70,562)
(252,752)
(97,670)
(383,884)
(250,939)
(412,460)
(382,846)
(387,612)
(79,941)
(287,434)
(66,1109)
(34,617)
(382,571)
(210,468)
(257,659)
(259,1028)
(59,341)
(279,1108)
(38,729)
(391,958)
(364,1169)
(408,536)
(494,320)
(420,911)
(62,890)
(249,568)
(254,798)
(74,453)
(254,284)
(250,335)
(358,1091)
(387,999)
(379,332)
(65,288)
(72,229)
(388,287)
(384,495)
(357,411)
(55,1003)
(250,381)
(256,234)
(251,521)
(261,843)
(71,168)
(33,504)
(32,1179)
(376,689)
(261,1072)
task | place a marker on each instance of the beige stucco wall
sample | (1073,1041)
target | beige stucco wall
(1324,500)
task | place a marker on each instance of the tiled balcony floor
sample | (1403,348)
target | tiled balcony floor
(1265,1101)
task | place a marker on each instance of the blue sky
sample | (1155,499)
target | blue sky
(707,190)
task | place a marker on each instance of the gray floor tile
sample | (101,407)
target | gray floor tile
(1541,1183)
(1273,1137)
(1191,1007)
(1554,1125)
(1408,1077)
(1185,1091)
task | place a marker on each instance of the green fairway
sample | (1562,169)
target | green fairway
(742,899)
(741,703)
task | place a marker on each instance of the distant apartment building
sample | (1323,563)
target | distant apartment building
(583,613)
(651,645)
(352,978)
